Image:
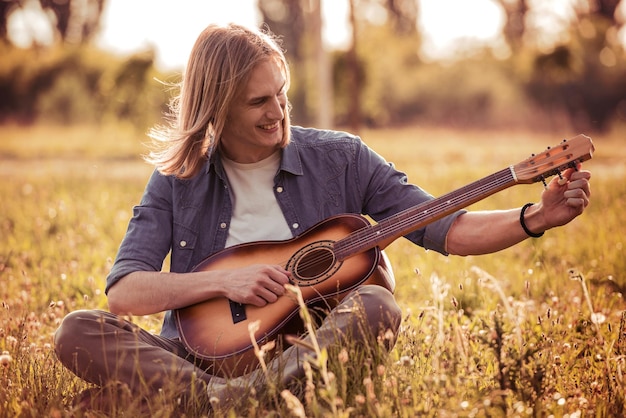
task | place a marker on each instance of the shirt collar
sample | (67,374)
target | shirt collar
(290,161)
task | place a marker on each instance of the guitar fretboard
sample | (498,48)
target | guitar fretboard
(416,217)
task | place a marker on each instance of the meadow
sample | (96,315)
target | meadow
(535,330)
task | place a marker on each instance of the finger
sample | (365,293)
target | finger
(582,185)
(577,204)
(276,284)
(580,175)
(576,198)
(279,275)
(571,176)
(268,295)
(258,300)
(277,288)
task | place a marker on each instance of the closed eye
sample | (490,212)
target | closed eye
(259,101)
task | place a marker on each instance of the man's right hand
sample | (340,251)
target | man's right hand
(256,285)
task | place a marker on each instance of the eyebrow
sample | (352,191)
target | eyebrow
(255,98)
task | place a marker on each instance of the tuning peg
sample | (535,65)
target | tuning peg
(562,180)
(573,165)
(543,180)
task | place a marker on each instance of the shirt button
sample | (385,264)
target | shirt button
(183,244)
(223,225)
(295,226)
(279,189)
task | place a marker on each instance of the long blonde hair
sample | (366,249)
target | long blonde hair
(219,67)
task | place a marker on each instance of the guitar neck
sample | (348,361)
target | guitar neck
(388,230)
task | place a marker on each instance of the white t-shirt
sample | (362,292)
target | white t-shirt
(256,214)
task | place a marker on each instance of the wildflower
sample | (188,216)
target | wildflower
(253,327)
(389,335)
(5,359)
(267,348)
(369,387)
(343,356)
(598,318)
(380,370)
(293,403)
(406,361)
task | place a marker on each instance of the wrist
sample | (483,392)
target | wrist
(529,219)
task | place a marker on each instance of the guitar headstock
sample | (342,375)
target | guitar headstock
(554,160)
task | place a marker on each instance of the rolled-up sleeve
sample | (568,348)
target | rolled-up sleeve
(149,235)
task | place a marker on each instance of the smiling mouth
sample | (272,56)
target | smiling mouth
(270,126)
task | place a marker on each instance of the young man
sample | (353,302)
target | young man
(231,169)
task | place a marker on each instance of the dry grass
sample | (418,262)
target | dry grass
(533,330)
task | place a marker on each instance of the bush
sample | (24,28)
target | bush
(69,85)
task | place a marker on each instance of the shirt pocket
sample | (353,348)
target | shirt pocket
(184,242)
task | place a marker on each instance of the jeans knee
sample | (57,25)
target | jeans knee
(380,306)
(71,333)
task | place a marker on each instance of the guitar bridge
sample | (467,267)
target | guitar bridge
(238,311)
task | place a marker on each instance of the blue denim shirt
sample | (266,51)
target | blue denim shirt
(322,173)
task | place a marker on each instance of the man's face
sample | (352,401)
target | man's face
(254,126)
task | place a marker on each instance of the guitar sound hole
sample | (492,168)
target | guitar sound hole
(314,264)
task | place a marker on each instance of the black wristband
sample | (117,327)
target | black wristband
(521,221)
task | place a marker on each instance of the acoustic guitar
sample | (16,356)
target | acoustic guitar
(332,258)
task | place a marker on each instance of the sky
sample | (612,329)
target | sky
(172,29)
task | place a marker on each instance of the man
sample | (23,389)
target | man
(231,169)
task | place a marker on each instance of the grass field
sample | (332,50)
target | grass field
(535,330)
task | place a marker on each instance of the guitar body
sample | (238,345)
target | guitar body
(216,331)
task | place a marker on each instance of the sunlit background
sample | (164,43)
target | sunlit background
(128,26)
(554,64)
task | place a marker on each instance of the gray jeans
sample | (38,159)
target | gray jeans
(103,348)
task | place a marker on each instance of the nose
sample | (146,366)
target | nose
(276,108)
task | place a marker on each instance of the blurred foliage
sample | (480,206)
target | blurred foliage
(79,85)
(586,77)
(578,83)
